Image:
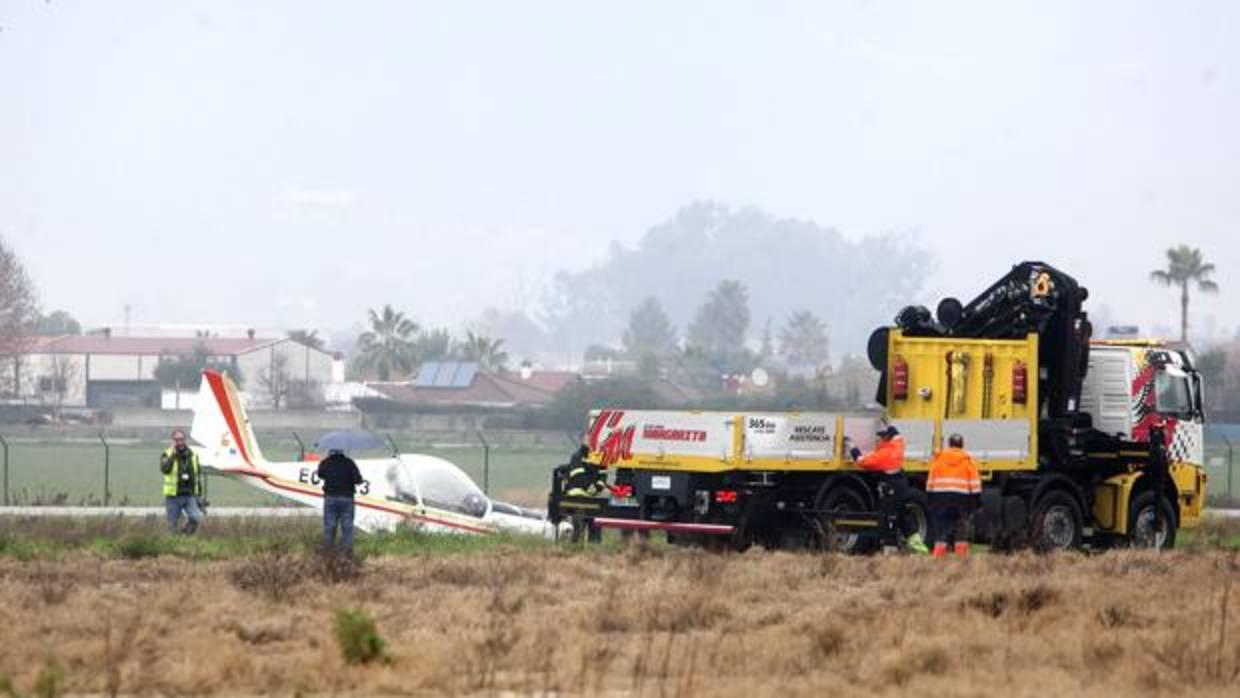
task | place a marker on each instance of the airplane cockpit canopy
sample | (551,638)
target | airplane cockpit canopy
(437,483)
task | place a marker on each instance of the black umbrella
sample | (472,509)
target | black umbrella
(348,440)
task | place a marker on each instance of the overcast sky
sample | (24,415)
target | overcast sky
(291,164)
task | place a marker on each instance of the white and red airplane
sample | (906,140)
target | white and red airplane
(423,492)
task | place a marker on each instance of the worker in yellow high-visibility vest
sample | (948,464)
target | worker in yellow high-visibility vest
(182,485)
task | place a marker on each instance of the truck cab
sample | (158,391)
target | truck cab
(1134,388)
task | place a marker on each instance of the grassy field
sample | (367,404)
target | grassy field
(246,610)
(73,473)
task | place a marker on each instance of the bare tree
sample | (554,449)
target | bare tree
(59,381)
(276,380)
(17,312)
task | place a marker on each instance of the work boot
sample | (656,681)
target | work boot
(917,545)
(940,550)
(962,549)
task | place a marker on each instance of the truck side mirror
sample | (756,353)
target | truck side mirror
(1199,397)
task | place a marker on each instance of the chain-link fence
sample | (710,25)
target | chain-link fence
(116,471)
(107,470)
(1223,484)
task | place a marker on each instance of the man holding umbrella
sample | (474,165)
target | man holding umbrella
(340,477)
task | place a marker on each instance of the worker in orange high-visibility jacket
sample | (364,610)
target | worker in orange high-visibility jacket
(887,461)
(954,489)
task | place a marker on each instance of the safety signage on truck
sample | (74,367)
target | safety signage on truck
(793,437)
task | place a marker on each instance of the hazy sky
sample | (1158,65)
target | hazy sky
(293,163)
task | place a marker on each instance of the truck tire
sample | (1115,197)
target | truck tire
(916,515)
(845,498)
(1141,522)
(1056,522)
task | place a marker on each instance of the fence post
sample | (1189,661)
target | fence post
(107,466)
(301,448)
(486,463)
(5,444)
(1230,474)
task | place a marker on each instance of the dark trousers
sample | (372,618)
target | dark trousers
(338,513)
(951,517)
(892,494)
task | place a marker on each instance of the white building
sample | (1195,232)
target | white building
(103,371)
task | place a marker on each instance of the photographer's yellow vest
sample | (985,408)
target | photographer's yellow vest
(170,477)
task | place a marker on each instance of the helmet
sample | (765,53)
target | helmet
(474,504)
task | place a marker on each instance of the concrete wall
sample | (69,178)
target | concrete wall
(122,367)
(39,370)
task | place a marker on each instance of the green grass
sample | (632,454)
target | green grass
(73,473)
(222,539)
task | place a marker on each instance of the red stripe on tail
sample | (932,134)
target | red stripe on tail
(216,381)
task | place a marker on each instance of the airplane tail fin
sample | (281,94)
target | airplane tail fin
(222,428)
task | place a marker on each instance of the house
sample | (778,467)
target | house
(449,384)
(106,371)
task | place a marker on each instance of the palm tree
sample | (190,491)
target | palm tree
(388,346)
(308,338)
(484,350)
(1184,266)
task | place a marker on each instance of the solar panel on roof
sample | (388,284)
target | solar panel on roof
(444,378)
(426,375)
(464,376)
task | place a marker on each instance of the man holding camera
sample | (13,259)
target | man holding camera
(182,485)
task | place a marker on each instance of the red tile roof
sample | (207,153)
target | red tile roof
(150,346)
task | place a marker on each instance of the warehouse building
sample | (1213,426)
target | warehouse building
(102,371)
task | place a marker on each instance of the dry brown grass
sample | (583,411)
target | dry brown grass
(650,621)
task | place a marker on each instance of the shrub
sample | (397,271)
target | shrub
(335,568)
(138,546)
(359,640)
(50,680)
(274,574)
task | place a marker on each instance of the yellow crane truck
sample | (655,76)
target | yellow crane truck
(1078,441)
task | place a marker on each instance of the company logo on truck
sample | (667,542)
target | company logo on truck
(761,425)
(658,432)
(616,444)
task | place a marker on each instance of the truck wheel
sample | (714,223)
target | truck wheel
(1056,522)
(916,516)
(1141,516)
(852,542)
